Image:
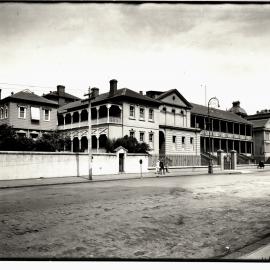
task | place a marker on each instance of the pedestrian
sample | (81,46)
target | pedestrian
(162,168)
(157,166)
(166,166)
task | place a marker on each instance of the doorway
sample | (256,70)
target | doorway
(121,162)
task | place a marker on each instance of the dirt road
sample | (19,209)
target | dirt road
(177,217)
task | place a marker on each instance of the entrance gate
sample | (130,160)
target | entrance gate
(227,162)
(121,162)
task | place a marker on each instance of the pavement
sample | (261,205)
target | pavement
(151,174)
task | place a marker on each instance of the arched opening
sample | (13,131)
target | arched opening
(102,142)
(84,144)
(115,111)
(75,117)
(68,118)
(76,147)
(161,143)
(84,115)
(60,118)
(102,112)
(94,142)
(68,144)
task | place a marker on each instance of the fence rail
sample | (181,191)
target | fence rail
(175,160)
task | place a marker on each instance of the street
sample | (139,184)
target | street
(192,217)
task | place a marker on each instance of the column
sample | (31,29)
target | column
(233,144)
(227,147)
(246,132)
(212,145)
(80,112)
(226,127)
(80,144)
(219,143)
(97,109)
(245,147)
(220,155)
(239,147)
(108,112)
(204,144)
(204,126)
(71,138)
(219,126)
(233,128)
(71,119)
(97,136)
(64,116)
(233,159)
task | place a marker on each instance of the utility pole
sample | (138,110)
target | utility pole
(89,94)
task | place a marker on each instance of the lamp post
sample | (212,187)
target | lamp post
(210,164)
(90,97)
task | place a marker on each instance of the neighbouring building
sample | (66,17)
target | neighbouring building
(29,114)
(261,135)
(60,96)
(228,130)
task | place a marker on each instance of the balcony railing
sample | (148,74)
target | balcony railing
(225,135)
(103,120)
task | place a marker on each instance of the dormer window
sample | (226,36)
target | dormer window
(173,98)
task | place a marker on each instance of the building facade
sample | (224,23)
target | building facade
(29,114)
(261,135)
(114,114)
(223,130)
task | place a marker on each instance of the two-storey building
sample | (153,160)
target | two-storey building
(176,136)
(114,114)
(220,129)
(29,114)
(261,134)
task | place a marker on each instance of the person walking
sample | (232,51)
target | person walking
(162,168)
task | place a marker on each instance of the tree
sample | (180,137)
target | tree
(130,143)
(7,138)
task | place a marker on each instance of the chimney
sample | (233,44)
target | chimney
(12,93)
(236,104)
(141,92)
(60,89)
(0,93)
(95,92)
(113,87)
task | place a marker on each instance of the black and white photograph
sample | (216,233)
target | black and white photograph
(135,131)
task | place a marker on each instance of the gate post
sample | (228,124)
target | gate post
(233,159)
(220,156)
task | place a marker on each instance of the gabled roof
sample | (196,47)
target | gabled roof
(259,123)
(216,113)
(61,94)
(175,91)
(27,95)
(119,95)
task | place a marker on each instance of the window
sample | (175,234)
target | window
(132,111)
(173,111)
(141,113)
(141,136)
(1,113)
(22,112)
(46,115)
(35,113)
(174,139)
(151,114)
(182,112)
(6,112)
(183,140)
(164,109)
(132,134)
(151,137)
(191,140)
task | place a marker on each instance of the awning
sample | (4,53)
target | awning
(35,113)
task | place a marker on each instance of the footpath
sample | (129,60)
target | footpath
(151,174)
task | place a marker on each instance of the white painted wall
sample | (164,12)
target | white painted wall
(24,165)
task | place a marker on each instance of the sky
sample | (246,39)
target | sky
(223,48)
